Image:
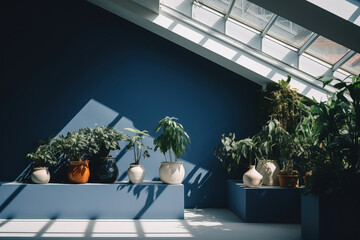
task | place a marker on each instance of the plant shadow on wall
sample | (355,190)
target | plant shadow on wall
(152,193)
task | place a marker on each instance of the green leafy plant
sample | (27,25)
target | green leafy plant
(336,156)
(76,145)
(279,101)
(173,139)
(44,156)
(106,139)
(136,144)
(229,155)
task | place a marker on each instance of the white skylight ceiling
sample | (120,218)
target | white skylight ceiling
(285,31)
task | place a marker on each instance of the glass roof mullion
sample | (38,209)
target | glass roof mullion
(230,9)
(308,43)
(268,25)
(343,60)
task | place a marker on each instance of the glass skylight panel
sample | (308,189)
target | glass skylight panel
(251,14)
(218,5)
(353,65)
(289,32)
(327,50)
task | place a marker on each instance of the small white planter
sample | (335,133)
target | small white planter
(252,178)
(40,175)
(136,173)
(269,169)
(172,172)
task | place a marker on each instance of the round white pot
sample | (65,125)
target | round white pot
(40,175)
(269,169)
(136,173)
(252,178)
(172,172)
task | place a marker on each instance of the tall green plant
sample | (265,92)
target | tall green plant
(136,144)
(173,139)
(279,101)
(346,119)
(333,161)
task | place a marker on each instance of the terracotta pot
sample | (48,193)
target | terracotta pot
(172,172)
(289,181)
(136,173)
(252,178)
(79,171)
(40,175)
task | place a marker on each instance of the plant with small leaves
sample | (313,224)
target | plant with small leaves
(107,139)
(75,145)
(173,139)
(44,156)
(136,144)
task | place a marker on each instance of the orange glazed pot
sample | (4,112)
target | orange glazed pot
(79,171)
(289,181)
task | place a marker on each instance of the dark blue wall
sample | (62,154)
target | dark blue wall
(57,55)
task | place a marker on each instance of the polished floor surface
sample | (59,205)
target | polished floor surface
(219,224)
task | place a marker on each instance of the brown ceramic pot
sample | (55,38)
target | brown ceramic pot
(289,181)
(79,171)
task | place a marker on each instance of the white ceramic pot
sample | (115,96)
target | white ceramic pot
(172,172)
(136,173)
(40,175)
(269,169)
(252,178)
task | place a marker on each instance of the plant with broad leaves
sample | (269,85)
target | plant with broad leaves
(136,144)
(334,158)
(228,154)
(44,156)
(173,139)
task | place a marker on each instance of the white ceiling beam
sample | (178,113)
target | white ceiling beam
(343,60)
(308,43)
(316,19)
(230,9)
(268,25)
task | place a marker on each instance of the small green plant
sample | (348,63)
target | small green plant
(107,139)
(136,144)
(76,145)
(44,156)
(173,139)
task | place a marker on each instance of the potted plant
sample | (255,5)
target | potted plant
(136,171)
(288,177)
(269,140)
(75,146)
(43,157)
(228,154)
(102,164)
(172,141)
(248,151)
(279,101)
(331,190)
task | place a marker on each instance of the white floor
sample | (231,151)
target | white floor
(219,224)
